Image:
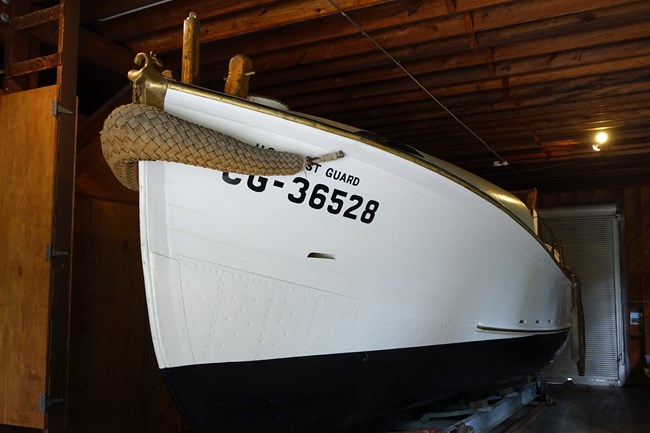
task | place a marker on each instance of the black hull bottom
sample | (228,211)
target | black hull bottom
(338,392)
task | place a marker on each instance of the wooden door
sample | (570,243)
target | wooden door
(27,179)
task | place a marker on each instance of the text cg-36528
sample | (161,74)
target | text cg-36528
(317,196)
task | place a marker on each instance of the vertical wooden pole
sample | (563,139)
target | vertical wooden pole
(191,39)
(66,136)
(240,70)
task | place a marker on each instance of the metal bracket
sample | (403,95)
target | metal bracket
(45,403)
(58,109)
(50,252)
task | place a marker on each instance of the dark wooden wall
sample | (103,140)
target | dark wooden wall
(114,382)
(634,202)
(637,275)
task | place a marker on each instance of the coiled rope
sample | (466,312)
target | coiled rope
(136,132)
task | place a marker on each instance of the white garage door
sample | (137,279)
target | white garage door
(590,236)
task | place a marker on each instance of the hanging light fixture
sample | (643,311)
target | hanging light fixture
(601,138)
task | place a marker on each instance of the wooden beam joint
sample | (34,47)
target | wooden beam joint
(469,29)
(489,58)
(451,6)
(505,82)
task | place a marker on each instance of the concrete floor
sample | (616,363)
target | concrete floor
(590,409)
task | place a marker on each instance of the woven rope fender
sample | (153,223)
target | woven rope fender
(136,132)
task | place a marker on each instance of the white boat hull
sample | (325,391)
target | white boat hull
(231,270)
(312,286)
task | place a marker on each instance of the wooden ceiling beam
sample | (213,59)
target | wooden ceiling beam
(548,129)
(586,166)
(486,104)
(169,17)
(594,165)
(470,80)
(573,175)
(540,56)
(291,13)
(454,24)
(413,42)
(394,120)
(347,64)
(416,41)
(531,157)
(462,144)
(307,42)
(275,15)
(577,87)
(512,14)
(578,114)
(543,158)
(509,146)
(477,155)
(93,11)
(611,64)
(526,147)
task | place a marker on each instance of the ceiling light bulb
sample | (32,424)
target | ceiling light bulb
(595,147)
(601,137)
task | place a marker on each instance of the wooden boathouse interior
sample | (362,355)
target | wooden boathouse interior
(535,80)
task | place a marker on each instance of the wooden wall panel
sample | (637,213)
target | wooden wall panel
(27,159)
(639,276)
(115,384)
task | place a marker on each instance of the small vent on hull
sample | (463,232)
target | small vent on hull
(314,255)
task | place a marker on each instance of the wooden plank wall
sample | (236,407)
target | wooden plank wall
(114,384)
(27,159)
(637,274)
(634,202)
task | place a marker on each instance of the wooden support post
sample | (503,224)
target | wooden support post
(66,120)
(240,70)
(191,39)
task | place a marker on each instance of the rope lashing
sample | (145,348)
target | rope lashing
(136,132)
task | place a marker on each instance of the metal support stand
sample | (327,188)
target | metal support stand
(475,420)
